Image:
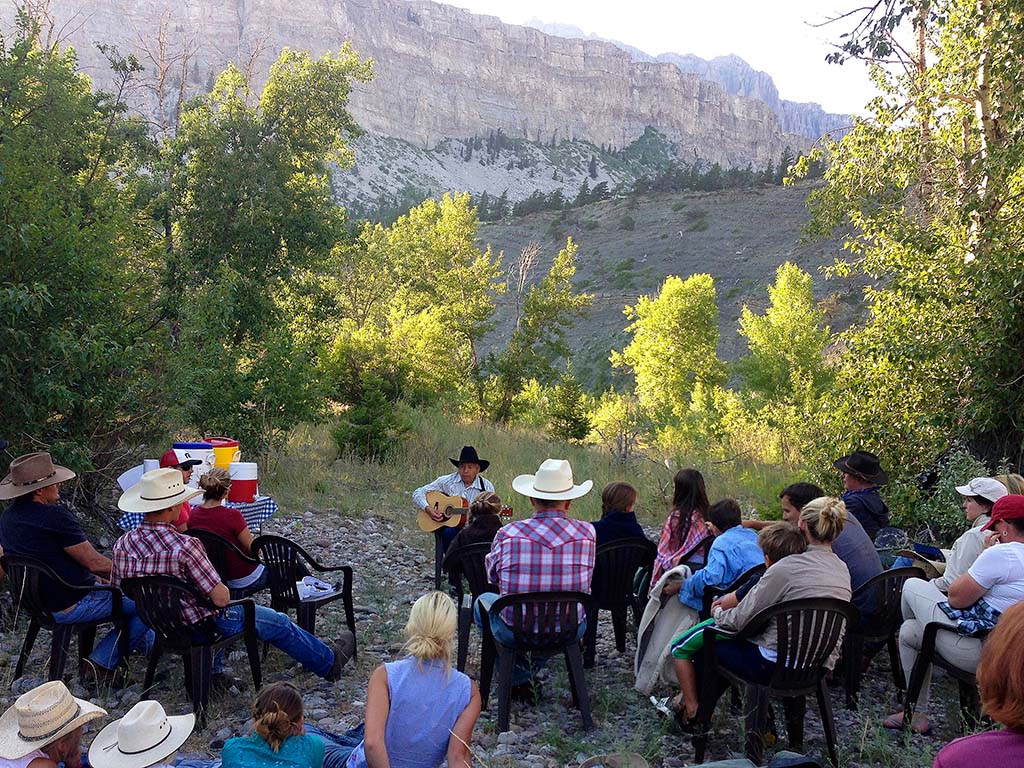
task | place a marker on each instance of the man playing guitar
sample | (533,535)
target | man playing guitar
(466,483)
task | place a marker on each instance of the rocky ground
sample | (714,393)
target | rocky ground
(393,566)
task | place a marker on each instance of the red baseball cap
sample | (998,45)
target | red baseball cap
(1010,507)
(171,459)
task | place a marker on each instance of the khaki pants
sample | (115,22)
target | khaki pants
(921,607)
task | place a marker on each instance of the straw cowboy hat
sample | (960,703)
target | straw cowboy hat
(32,472)
(42,716)
(553,482)
(157,490)
(143,737)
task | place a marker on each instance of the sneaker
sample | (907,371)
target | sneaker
(344,649)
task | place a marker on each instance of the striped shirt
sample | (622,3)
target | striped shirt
(157,549)
(548,552)
(452,485)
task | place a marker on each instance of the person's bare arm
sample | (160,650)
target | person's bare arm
(725,602)
(245,540)
(378,704)
(965,592)
(756,525)
(85,555)
(220,595)
(459,753)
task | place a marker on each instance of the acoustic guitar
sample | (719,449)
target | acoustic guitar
(452,507)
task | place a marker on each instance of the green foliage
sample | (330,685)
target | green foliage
(83,363)
(672,354)
(569,420)
(627,223)
(374,428)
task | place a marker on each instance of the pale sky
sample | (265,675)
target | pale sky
(774,37)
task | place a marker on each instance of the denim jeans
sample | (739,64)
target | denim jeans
(278,630)
(337,746)
(97,605)
(524,669)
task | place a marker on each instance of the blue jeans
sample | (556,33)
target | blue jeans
(97,605)
(744,658)
(277,629)
(338,746)
(524,669)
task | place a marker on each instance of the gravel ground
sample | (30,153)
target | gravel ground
(393,566)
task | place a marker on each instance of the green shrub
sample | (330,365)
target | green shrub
(677,207)
(627,223)
(374,428)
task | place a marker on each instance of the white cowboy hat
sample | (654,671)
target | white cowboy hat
(143,737)
(158,489)
(40,717)
(553,482)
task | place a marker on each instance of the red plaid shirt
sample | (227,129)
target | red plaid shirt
(157,549)
(549,552)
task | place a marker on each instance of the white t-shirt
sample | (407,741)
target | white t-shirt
(1000,570)
(22,762)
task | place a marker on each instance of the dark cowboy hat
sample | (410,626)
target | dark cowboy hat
(30,473)
(468,455)
(864,465)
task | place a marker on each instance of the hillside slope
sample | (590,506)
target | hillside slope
(739,237)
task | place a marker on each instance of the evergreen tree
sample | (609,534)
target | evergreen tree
(592,167)
(583,196)
(569,421)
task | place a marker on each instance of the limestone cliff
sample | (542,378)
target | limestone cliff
(443,72)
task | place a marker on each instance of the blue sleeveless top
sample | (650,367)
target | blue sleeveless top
(426,700)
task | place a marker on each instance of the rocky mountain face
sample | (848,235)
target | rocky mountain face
(736,76)
(441,71)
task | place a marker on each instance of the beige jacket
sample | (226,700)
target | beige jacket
(965,551)
(663,619)
(815,573)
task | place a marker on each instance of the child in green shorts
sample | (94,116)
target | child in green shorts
(776,541)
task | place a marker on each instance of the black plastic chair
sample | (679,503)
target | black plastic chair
(468,565)
(611,588)
(880,624)
(287,562)
(808,632)
(967,683)
(713,593)
(30,580)
(217,548)
(158,600)
(543,622)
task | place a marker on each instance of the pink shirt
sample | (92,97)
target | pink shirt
(1005,747)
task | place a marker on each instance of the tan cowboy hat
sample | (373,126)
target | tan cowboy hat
(157,490)
(32,472)
(143,737)
(42,716)
(553,482)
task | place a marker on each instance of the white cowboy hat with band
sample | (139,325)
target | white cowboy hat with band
(553,482)
(41,717)
(143,737)
(158,489)
(30,473)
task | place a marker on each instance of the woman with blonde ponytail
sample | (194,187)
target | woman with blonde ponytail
(419,711)
(818,572)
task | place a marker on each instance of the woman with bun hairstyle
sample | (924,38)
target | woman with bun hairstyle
(815,573)
(229,524)
(420,711)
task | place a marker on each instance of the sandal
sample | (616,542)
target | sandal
(895,722)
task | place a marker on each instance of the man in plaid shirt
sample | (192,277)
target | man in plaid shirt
(549,552)
(156,548)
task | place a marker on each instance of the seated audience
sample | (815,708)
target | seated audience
(171,460)
(853,546)
(283,738)
(979,496)
(146,736)
(618,520)
(37,525)
(733,552)
(1001,682)
(993,583)
(684,529)
(229,524)
(483,524)
(156,548)
(44,727)
(776,542)
(815,573)
(548,552)
(419,711)
(862,474)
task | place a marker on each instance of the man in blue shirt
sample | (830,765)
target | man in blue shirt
(733,552)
